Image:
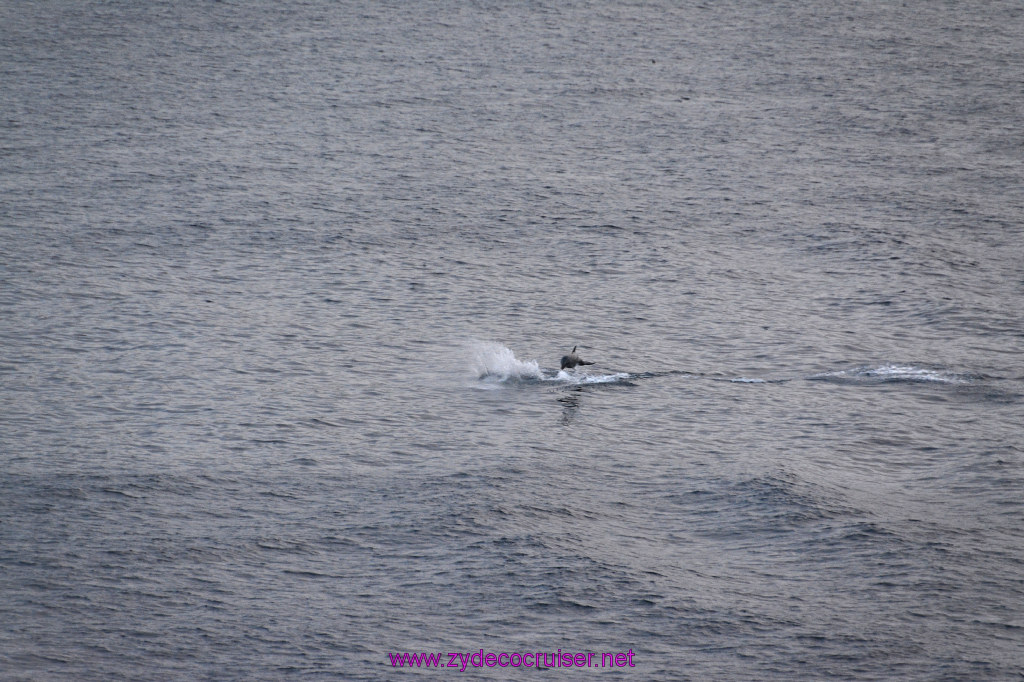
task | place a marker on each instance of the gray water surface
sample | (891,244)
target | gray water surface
(284,287)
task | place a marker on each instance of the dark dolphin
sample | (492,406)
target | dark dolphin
(571,360)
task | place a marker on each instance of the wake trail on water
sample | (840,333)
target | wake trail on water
(868,375)
(893,373)
(496,365)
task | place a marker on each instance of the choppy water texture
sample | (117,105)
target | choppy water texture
(284,287)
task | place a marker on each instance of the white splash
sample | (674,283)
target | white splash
(495,362)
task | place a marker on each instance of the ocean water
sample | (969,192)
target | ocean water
(284,287)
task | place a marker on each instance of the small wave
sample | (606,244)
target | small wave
(752,380)
(891,374)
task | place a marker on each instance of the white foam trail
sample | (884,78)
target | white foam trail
(905,373)
(886,373)
(568,378)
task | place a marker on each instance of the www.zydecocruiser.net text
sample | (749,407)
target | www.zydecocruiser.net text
(531,659)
